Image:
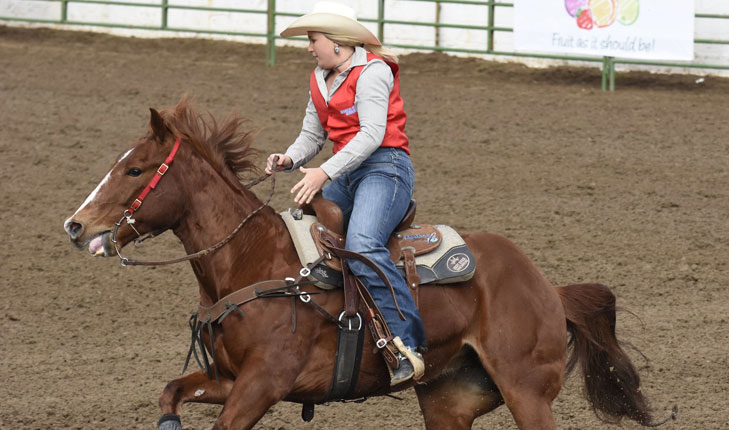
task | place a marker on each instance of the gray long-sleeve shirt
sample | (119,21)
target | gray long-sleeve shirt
(371,100)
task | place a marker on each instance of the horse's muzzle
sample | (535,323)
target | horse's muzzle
(99,244)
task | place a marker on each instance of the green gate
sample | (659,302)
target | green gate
(271,13)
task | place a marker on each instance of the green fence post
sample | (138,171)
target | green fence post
(608,73)
(381,21)
(437,21)
(612,74)
(64,11)
(490,34)
(164,14)
(271,34)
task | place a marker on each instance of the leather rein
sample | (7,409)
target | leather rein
(128,217)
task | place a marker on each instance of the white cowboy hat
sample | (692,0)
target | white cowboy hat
(332,18)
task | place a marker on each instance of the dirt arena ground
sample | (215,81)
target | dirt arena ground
(629,188)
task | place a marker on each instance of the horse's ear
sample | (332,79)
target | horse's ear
(158,124)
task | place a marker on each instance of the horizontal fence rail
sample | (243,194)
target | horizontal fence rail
(270,34)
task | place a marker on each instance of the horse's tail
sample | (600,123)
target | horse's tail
(612,382)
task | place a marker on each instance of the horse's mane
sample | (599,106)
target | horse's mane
(224,145)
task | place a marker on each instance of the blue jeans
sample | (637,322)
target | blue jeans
(374,198)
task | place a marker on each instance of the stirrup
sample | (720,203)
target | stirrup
(403,373)
(414,360)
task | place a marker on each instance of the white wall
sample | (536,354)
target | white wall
(406,10)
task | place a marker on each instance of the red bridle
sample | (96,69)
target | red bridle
(153,183)
(127,216)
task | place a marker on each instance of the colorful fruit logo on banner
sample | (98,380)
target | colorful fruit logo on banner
(602,13)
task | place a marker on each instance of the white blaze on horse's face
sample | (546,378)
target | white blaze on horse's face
(97,242)
(124,155)
(94,193)
(92,196)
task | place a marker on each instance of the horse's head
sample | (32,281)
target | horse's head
(114,197)
(207,149)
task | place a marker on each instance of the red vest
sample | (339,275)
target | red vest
(340,117)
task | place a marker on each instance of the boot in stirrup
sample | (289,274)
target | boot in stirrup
(410,364)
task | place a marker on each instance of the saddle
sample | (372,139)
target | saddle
(422,239)
(424,254)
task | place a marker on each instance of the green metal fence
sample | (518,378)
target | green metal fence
(492,31)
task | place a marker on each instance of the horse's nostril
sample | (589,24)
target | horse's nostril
(74,229)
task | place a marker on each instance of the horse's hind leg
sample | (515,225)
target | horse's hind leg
(195,387)
(456,398)
(528,390)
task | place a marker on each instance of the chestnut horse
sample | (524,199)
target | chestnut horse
(499,338)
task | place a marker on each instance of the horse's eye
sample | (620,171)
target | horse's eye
(134,172)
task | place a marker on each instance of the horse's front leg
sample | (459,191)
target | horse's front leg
(257,387)
(195,387)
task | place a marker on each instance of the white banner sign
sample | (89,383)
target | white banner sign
(642,29)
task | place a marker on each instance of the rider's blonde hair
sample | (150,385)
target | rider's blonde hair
(378,50)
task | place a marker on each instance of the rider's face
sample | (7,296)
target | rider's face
(322,49)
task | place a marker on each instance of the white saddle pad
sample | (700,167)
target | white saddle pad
(450,262)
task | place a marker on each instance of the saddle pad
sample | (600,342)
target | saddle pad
(450,262)
(300,230)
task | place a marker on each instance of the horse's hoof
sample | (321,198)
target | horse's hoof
(169,422)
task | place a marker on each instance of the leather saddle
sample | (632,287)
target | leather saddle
(437,254)
(406,239)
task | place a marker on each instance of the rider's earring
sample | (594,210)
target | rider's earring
(336,48)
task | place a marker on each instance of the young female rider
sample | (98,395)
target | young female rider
(355,102)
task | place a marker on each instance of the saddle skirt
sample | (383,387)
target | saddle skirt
(441,255)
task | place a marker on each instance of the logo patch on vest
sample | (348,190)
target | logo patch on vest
(349,111)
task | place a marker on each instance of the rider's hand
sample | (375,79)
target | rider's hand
(313,182)
(284,162)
